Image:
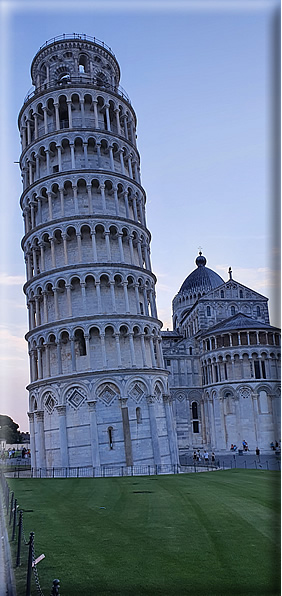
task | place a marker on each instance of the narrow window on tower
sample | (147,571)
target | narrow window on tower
(138,415)
(257,369)
(110,436)
(208,311)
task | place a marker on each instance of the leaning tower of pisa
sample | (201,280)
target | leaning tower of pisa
(98,392)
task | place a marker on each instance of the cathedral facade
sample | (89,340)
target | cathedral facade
(224,362)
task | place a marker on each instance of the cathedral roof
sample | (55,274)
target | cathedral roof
(239,321)
(201,279)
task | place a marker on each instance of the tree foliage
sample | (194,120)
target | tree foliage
(9,430)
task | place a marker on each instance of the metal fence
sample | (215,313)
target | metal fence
(15,524)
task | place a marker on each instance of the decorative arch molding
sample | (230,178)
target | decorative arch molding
(75,394)
(137,389)
(224,391)
(263,387)
(108,392)
(195,395)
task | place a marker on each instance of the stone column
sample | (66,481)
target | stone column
(171,433)
(73,358)
(94,247)
(118,350)
(82,113)
(127,309)
(104,355)
(68,287)
(108,117)
(90,205)
(102,188)
(85,154)
(69,112)
(116,200)
(113,297)
(79,253)
(63,436)
(40,439)
(72,156)
(59,358)
(50,206)
(143,348)
(126,432)
(74,188)
(96,119)
(154,430)
(98,290)
(32,439)
(118,121)
(132,350)
(45,120)
(120,236)
(94,434)
(56,104)
(108,248)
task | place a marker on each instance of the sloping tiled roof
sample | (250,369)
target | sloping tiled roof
(239,321)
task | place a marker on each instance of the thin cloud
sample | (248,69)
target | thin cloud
(11,280)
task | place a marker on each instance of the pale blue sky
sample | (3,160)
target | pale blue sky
(201,83)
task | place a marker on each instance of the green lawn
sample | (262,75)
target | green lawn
(205,534)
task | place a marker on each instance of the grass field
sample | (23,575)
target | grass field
(208,534)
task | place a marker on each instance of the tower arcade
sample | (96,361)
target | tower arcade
(98,391)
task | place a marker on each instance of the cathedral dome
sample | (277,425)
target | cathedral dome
(201,279)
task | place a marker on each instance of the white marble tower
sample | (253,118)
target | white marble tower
(98,387)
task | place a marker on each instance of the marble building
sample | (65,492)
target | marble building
(224,362)
(98,391)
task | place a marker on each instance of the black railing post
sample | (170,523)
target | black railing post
(7,498)
(55,587)
(14,520)
(29,564)
(11,509)
(18,562)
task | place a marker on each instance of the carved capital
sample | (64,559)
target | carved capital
(92,405)
(39,415)
(61,410)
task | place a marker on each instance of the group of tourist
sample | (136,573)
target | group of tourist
(198,457)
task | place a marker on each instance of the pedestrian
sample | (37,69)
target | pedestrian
(206,457)
(194,456)
(213,458)
(13,452)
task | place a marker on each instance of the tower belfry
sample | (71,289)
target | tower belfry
(98,387)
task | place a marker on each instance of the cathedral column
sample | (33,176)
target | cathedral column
(132,350)
(72,156)
(69,112)
(63,436)
(108,117)
(73,357)
(126,432)
(85,155)
(57,117)
(59,149)
(59,358)
(143,348)
(120,236)
(131,249)
(96,119)
(125,195)
(47,348)
(117,336)
(68,288)
(127,309)
(74,188)
(90,205)
(136,286)
(82,113)
(113,297)
(98,290)
(116,200)
(61,190)
(118,121)
(154,430)
(103,345)
(152,352)
(94,434)
(94,246)
(112,165)
(79,253)
(32,439)
(40,439)
(170,430)
(49,194)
